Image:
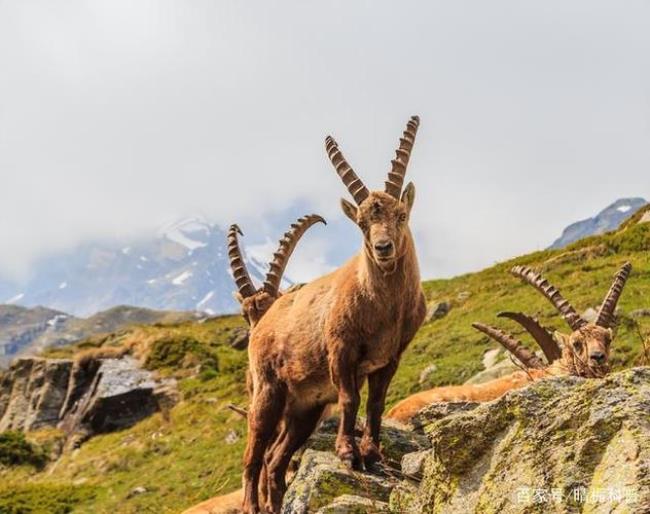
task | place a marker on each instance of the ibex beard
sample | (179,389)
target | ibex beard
(318,345)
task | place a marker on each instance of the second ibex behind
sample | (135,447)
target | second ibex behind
(319,344)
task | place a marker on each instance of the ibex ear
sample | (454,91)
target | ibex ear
(349,209)
(408,196)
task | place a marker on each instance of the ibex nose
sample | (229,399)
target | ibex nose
(597,356)
(384,248)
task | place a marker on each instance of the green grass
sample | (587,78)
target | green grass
(182,458)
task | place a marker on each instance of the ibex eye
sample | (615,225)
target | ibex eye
(402,217)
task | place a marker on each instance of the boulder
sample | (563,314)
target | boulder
(560,445)
(426,373)
(322,479)
(498,370)
(32,392)
(120,395)
(353,504)
(324,484)
(239,338)
(96,395)
(436,311)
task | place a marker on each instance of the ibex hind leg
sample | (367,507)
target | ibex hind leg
(266,409)
(278,436)
(299,426)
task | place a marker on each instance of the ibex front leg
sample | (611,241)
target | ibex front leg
(343,370)
(378,383)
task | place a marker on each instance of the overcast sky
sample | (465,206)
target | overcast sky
(117,116)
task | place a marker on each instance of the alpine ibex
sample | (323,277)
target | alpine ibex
(584,353)
(317,345)
(255,302)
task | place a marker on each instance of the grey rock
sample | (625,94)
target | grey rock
(590,315)
(436,311)
(101,395)
(498,370)
(412,463)
(32,393)
(322,478)
(352,504)
(136,491)
(239,339)
(490,357)
(437,411)
(560,436)
(426,373)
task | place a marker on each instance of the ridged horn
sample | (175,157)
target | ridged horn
(514,346)
(354,184)
(551,294)
(402,155)
(606,312)
(239,271)
(544,339)
(285,249)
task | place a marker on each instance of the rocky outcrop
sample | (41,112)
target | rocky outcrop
(559,445)
(32,393)
(97,396)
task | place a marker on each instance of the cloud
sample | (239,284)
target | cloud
(117,116)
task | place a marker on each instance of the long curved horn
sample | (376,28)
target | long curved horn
(606,312)
(285,249)
(354,184)
(402,156)
(239,271)
(552,294)
(514,346)
(544,339)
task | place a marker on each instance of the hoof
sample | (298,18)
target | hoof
(370,454)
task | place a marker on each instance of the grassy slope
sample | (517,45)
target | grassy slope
(184,459)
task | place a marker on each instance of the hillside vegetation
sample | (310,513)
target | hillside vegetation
(176,459)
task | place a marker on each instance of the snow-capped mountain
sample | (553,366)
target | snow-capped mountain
(182,267)
(605,221)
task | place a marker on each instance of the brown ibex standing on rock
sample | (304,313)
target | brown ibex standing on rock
(317,345)
(584,353)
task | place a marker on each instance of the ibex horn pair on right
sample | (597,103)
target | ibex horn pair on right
(256,301)
(585,352)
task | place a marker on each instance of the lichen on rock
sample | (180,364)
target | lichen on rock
(562,444)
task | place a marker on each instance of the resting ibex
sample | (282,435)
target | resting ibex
(584,353)
(255,302)
(317,345)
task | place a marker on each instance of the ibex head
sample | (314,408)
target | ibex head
(584,352)
(256,301)
(382,216)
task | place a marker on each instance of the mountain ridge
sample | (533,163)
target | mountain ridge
(610,218)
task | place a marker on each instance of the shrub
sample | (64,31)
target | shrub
(15,450)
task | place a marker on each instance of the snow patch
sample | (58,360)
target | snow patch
(180,279)
(56,320)
(126,250)
(624,208)
(179,232)
(205,299)
(16,298)
(63,285)
(143,258)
